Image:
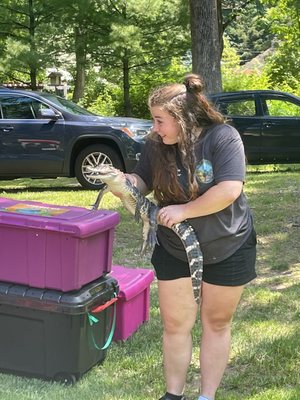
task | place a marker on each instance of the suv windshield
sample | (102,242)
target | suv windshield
(67,105)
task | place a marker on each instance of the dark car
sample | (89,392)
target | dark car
(46,136)
(268,122)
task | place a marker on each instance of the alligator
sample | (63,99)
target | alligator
(142,208)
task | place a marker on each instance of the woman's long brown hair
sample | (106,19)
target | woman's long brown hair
(188,105)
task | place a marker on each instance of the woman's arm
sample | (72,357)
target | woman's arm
(213,200)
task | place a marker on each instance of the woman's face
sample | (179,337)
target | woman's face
(165,125)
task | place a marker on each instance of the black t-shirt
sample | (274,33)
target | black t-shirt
(219,157)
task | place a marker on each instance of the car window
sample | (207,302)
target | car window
(67,105)
(20,107)
(282,108)
(243,107)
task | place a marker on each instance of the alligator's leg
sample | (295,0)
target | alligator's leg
(95,206)
(152,238)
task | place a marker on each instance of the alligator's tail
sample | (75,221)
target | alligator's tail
(195,259)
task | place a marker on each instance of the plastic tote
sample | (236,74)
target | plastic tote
(56,335)
(133,304)
(54,247)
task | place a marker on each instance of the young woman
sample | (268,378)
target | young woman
(195,165)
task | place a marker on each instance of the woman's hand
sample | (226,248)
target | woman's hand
(170,215)
(215,199)
(136,181)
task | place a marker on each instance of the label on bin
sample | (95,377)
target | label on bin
(30,209)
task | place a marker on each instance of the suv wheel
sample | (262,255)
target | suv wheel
(92,156)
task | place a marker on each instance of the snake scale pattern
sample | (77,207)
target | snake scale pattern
(142,208)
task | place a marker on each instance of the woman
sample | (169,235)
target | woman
(194,163)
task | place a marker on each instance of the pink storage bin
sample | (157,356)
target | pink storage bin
(133,303)
(53,246)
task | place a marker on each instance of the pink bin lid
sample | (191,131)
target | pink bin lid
(78,221)
(132,281)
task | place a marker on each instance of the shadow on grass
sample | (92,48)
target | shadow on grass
(282,306)
(267,345)
(270,363)
(271,168)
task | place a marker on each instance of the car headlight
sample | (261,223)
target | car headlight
(135,132)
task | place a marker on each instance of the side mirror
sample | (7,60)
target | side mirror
(48,113)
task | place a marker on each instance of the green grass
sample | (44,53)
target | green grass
(265,357)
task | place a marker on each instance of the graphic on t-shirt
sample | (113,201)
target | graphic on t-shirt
(204,171)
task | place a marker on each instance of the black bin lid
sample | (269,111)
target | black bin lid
(79,301)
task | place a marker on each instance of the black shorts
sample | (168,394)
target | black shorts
(236,270)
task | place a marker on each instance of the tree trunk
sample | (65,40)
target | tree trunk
(220,26)
(206,49)
(80,51)
(126,87)
(32,62)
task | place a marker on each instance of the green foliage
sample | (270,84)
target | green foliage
(23,29)
(230,58)
(13,63)
(283,65)
(261,25)
(276,74)
(143,82)
(238,80)
(109,97)
(108,102)
(102,97)
(142,37)
(285,87)
(233,76)
(248,28)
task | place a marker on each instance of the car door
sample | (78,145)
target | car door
(281,128)
(29,144)
(242,112)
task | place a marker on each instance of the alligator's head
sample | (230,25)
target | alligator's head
(113,177)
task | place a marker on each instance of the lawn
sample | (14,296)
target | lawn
(265,357)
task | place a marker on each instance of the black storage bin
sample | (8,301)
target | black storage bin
(56,335)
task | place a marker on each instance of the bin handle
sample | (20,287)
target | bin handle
(93,320)
(104,306)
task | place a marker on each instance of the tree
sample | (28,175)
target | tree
(87,27)
(22,27)
(209,21)
(142,35)
(206,44)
